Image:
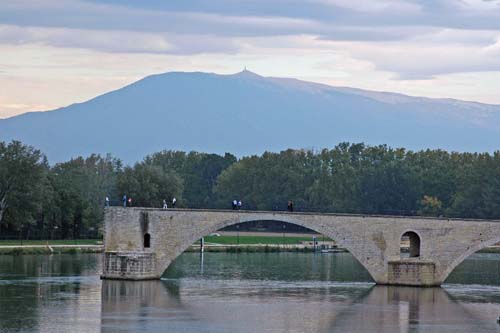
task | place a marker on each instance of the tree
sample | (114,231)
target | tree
(80,186)
(22,174)
(199,172)
(269,181)
(430,206)
(148,185)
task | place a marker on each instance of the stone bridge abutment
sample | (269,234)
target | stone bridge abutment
(140,243)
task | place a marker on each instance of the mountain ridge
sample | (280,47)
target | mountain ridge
(245,113)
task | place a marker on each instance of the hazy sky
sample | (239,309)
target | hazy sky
(57,52)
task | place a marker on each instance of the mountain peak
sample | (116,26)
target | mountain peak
(248,74)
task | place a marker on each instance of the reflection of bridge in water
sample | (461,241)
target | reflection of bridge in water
(151,306)
(140,243)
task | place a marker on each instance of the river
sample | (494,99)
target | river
(248,292)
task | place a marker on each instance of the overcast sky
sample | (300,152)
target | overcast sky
(57,52)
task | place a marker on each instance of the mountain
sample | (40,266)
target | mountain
(245,113)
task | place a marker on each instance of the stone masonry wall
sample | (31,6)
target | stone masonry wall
(129,265)
(412,272)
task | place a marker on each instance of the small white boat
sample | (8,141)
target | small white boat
(332,251)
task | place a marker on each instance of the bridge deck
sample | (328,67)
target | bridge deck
(281,212)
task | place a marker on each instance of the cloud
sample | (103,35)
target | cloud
(425,61)
(492,50)
(370,6)
(252,17)
(359,43)
(115,41)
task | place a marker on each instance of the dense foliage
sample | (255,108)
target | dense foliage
(66,200)
(23,172)
(354,178)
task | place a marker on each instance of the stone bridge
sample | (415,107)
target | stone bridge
(140,243)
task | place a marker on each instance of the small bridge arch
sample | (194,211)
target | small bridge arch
(414,243)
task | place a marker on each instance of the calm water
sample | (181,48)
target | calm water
(242,293)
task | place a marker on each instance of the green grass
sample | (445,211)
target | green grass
(243,240)
(489,250)
(51,242)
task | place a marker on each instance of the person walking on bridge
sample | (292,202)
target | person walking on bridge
(124,200)
(290,206)
(165,204)
(174,201)
(239,204)
(235,204)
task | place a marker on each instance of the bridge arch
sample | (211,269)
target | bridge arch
(469,251)
(415,240)
(336,235)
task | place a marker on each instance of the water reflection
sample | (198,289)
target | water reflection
(241,293)
(404,309)
(153,306)
(135,306)
(283,293)
(41,293)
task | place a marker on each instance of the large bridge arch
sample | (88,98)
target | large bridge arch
(339,237)
(461,256)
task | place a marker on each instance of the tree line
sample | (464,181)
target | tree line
(66,200)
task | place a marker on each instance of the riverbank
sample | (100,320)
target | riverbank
(242,248)
(44,242)
(265,248)
(49,249)
(223,242)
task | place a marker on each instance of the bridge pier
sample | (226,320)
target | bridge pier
(129,266)
(411,272)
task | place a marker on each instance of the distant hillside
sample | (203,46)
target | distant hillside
(246,113)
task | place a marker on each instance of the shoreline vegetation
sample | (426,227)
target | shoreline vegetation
(66,200)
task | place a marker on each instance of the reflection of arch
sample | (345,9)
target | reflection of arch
(414,239)
(408,305)
(147,240)
(470,250)
(344,240)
